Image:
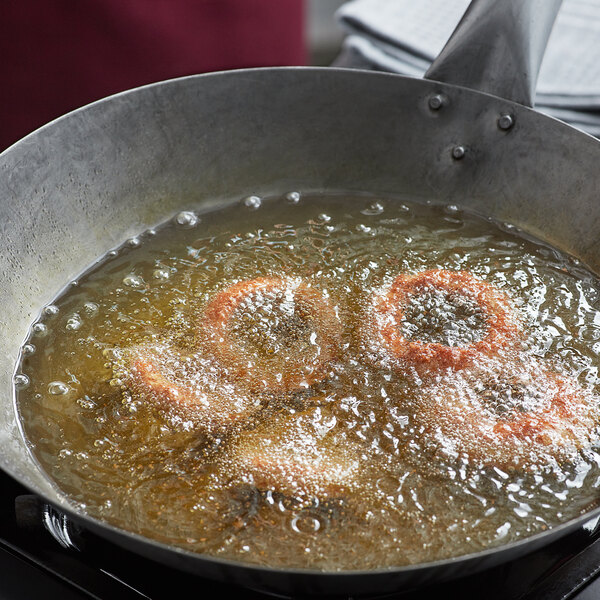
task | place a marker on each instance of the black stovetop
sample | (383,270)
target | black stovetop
(37,560)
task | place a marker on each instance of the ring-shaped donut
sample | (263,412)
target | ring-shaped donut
(532,414)
(308,340)
(389,309)
(287,455)
(187,389)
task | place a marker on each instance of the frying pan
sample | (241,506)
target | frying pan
(82,184)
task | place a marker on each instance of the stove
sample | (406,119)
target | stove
(42,552)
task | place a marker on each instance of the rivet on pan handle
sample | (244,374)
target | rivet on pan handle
(498,48)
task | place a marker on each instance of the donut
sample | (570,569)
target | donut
(275,334)
(189,389)
(439,319)
(291,457)
(514,417)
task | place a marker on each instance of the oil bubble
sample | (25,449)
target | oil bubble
(451,209)
(21,381)
(91,308)
(40,329)
(58,388)
(73,322)
(590,333)
(162,274)
(133,280)
(186,219)
(50,310)
(252,202)
(134,242)
(28,349)
(86,403)
(293,197)
(305,524)
(110,353)
(375,208)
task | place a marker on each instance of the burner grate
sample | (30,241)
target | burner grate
(43,552)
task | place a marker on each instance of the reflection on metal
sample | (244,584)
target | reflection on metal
(505,122)
(436,102)
(458,152)
(592,525)
(61,528)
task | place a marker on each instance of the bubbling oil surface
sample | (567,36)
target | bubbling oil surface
(409,492)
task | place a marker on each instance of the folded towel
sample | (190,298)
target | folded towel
(404,36)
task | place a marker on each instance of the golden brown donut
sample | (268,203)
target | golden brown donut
(389,319)
(276,334)
(184,389)
(290,455)
(518,416)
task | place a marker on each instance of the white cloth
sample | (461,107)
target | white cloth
(404,36)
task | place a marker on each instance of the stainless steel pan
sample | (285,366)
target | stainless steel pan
(82,184)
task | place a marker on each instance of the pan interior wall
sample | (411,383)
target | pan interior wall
(85,183)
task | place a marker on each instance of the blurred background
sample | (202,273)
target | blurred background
(324,35)
(58,55)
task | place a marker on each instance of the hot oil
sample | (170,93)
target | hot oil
(407,493)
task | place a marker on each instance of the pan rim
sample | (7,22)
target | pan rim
(139,540)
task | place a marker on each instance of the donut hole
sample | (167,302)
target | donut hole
(291,458)
(274,324)
(508,398)
(187,390)
(434,315)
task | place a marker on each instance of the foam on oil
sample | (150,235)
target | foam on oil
(389,462)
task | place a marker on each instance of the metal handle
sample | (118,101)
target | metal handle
(498,48)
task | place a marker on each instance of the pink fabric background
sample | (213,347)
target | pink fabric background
(57,55)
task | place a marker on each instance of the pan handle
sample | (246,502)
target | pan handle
(498,48)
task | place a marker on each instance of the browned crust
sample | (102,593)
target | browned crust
(215,330)
(388,311)
(213,412)
(561,426)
